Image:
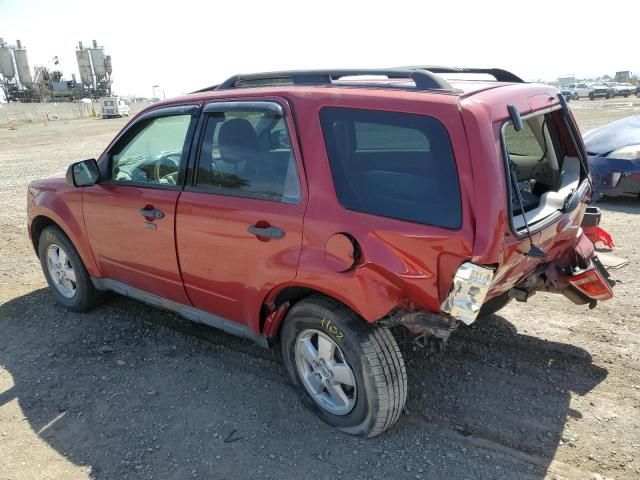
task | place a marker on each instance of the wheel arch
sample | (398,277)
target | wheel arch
(42,220)
(280,299)
(38,224)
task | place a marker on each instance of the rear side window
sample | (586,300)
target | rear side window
(248,154)
(392,164)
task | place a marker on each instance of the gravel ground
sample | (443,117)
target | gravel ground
(542,390)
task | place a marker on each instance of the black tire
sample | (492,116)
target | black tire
(591,96)
(494,305)
(607,96)
(576,96)
(86,295)
(370,351)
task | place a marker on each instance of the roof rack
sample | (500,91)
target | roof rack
(498,73)
(423,79)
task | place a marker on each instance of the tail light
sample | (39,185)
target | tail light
(470,286)
(591,284)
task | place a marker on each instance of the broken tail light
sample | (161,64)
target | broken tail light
(470,286)
(591,284)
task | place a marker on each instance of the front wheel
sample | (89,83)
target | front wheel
(351,373)
(576,96)
(65,273)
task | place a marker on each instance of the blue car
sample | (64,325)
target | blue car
(614,157)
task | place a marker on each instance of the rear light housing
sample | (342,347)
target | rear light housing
(591,284)
(470,286)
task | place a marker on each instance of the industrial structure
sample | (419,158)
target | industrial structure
(19,85)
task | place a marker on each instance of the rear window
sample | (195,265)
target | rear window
(393,164)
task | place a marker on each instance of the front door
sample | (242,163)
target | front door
(239,224)
(130,214)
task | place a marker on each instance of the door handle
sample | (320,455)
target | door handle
(266,232)
(150,212)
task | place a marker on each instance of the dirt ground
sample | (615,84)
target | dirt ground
(543,390)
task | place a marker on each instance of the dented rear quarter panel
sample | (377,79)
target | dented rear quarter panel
(403,264)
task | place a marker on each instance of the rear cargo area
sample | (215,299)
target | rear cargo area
(544,168)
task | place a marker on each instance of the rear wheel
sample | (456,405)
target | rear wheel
(591,96)
(65,273)
(351,373)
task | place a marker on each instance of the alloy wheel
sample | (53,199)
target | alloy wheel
(61,271)
(324,372)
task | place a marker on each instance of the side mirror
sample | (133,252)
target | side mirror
(279,139)
(83,174)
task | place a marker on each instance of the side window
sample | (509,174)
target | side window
(248,154)
(394,165)
(154,153)
(380,137)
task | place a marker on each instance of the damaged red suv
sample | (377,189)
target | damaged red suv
(321,208)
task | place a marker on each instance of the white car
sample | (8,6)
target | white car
(624,89)
(589,90)
(114,107)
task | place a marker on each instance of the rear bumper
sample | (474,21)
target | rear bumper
(578,275)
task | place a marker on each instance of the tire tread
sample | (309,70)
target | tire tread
(384,357)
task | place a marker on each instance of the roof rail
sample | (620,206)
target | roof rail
(498,73)
(423,79)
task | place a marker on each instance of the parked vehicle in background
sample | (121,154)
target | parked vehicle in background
(599,90)
(567,92)
(402,214)
(579,90)
(614,156)
(114,107)
(612,87)
(624,89)
(590,91)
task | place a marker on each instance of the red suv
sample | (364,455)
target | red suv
(322,208)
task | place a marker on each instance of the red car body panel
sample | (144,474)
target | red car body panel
(130,248)
(227,271)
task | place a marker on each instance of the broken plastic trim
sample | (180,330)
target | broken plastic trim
(470,286)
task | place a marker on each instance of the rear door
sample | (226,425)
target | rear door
(130,214)
(239,222)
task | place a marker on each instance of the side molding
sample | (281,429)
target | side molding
(190,313)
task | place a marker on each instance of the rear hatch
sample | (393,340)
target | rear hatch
(545,177)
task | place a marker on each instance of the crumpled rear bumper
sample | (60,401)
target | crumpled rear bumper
(579,275)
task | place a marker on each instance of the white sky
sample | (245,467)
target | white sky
(185,45)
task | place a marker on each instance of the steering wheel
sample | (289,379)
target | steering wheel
(215,169)
(169,162)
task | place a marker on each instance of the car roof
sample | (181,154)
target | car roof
(437,84)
